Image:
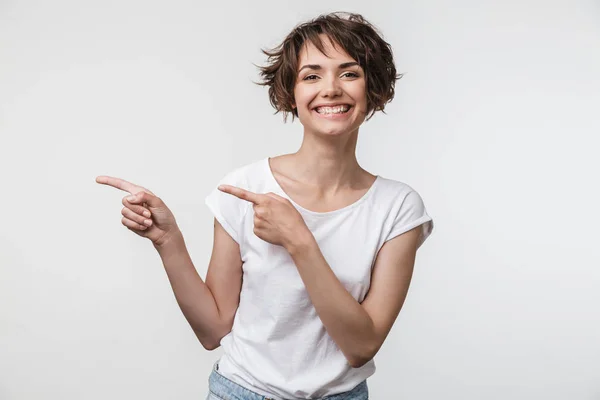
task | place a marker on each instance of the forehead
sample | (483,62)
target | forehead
(309,53)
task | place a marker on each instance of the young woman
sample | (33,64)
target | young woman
(312,254)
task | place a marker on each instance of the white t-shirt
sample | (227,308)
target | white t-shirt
(278,347)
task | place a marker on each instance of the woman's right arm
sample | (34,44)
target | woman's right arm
(210,306)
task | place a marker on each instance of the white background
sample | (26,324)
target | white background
(495,124)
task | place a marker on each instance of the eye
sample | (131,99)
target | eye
(307,78)
(352,74)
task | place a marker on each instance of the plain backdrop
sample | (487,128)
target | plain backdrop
(495,123)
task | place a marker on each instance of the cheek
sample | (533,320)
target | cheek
(359,93)
(303,96)
(303,99)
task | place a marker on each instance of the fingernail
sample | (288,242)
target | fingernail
(147,214)
(221,187)
(131,198)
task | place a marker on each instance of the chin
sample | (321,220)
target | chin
(332,127)
(333,131)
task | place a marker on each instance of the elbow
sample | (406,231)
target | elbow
(212,340)
(207,342)
(357,363)
(360,358)
(210,346)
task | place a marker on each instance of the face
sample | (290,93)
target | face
(330,92)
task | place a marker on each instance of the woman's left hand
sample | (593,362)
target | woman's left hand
(276,220)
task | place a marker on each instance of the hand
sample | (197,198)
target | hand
(276,220)
(144,207)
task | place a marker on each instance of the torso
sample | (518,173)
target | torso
(306,196)
(276,325)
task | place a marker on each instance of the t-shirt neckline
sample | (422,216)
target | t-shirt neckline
(316,213)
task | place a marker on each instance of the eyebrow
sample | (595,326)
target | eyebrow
(318,67)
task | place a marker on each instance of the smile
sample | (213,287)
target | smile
(333,110)
(337,111)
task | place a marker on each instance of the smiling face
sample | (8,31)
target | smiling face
(330,92)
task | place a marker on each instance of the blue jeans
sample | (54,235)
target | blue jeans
(222,388)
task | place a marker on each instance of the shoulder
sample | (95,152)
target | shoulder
(405,210)
(399,198)
(392,190)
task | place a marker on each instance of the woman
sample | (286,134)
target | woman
(312,255)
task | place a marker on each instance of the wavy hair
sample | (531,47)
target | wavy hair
(355,35)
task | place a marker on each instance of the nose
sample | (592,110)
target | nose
(331,88)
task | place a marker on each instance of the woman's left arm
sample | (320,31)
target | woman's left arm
(359,329)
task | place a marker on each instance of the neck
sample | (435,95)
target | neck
(328,163)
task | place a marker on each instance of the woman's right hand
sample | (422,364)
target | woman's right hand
(146,206)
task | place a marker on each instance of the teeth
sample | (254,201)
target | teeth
(332,110)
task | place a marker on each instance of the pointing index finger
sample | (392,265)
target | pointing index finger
(118,183)
(241,193)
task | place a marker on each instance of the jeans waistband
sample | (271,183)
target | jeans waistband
(227,389)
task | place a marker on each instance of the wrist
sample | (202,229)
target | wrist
(168,241)
(300,242)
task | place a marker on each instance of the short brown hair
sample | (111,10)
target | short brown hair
(355,35)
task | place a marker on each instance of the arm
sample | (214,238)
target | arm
(358,329)
(208,307)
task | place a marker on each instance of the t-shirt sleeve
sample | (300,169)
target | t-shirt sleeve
(228,209)
(411,213)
